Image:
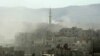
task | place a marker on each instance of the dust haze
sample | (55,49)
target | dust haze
(14,20)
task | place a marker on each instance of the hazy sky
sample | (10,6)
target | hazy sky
(45,3)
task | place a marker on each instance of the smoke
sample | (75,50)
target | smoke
(20,19)
(16,20)
(8,29)
(65,21)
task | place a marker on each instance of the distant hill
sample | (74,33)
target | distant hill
(18,19)
(82,16)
